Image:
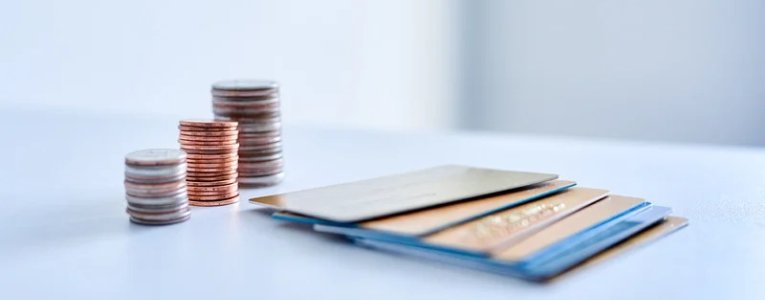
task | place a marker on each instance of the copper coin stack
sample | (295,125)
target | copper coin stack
(212,161)
(254,104)
(155,184)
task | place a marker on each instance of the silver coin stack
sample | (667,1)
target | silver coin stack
(155,184)
(255,105)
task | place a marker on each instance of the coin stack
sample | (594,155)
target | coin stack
(212,159)
(155,184)
(254,104)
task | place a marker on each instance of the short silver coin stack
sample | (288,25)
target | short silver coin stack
(155,186)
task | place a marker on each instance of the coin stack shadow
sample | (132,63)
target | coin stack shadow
(155,186)
(212,161)
(254,104)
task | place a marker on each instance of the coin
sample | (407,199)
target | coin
(260,158)
(158,208)
(245,85)
(208,124)
(212,178)
(155,171)
(176,199)
(144,193)
(210,183)
(155,157)
(228,201)
(212,197)
(162,218)
(212,133)
(207,143)
(222,156)
(218,188)
(166,222)
(260,181)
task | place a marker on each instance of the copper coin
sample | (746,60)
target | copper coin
(197,138)
(219,188)
(225,156)
(260,181)
(228,201)
(213,164)
(212,197)
(230,147)
(220,170)
(210,152)
(155,157)
(202,196)
(207,143)
(210,183)
(202,129)
(198,123)
(221,133)
(213,178)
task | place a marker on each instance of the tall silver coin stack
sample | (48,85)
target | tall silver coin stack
(155,184)
(255,105)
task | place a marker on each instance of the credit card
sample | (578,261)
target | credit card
(372,198)
(624,228)
(422,222)
(474,238)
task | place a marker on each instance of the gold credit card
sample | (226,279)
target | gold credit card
(498,230)
(367,199)
(582,219)
(426,221)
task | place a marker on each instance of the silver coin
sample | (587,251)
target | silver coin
(164,193)
(260,181)
(174,199)
(166,222)
(260,127)
(161,217)
(155,180)
(156,209)
(259,158)
(155,171)
(264,147)
(245,85)
(155,157)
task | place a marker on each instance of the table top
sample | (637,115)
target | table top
(64,232)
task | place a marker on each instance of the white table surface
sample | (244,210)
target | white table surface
(64,232)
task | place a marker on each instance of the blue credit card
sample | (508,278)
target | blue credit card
(552,260)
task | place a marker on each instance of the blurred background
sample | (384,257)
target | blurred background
(679,71)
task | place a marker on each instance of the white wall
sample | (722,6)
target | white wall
(687,70)
(384,64)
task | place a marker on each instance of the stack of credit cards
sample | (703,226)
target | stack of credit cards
(528,225)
